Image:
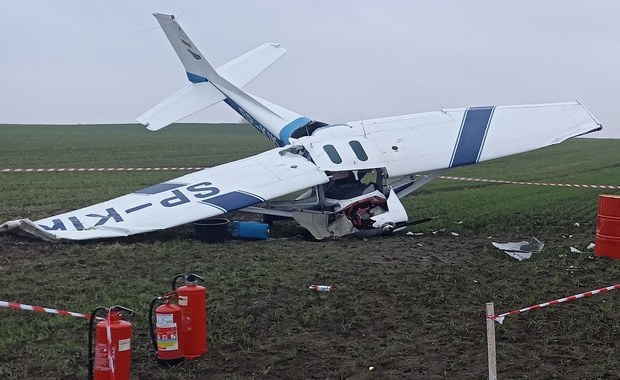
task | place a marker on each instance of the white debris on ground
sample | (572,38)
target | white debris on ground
(590,246)
(444,230)
(410,233)
(574,250)
(520,250)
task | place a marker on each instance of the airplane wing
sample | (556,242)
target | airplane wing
(448,138)
(192,197)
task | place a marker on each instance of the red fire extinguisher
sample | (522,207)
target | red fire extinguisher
(192,299)
(165,334)
(111,356)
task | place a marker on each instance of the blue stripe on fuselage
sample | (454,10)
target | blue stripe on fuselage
(471,137)
(291,127)
(285,132)
(254,122)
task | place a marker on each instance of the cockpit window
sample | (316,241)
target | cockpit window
(358,150)
(332,153)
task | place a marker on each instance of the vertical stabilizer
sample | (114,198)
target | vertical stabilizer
(198,69)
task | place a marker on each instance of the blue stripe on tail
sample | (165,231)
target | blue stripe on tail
(471,137)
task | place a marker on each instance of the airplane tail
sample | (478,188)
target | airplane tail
(210,86)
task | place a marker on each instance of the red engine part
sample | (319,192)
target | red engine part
(360,212)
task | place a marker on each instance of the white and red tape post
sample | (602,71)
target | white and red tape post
(491,317)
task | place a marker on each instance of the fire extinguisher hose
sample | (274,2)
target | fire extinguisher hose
(151,326)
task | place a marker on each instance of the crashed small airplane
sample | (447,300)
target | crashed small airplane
(347,178)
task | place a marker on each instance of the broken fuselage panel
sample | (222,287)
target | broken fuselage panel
(355,198)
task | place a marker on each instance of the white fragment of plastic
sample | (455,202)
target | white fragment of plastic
(574,250)
(577,224)
(590,246)
(415,233)
(520,250)
(454,234)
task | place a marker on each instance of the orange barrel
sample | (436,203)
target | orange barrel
(608,226)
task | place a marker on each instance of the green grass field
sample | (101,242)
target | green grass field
(412,307)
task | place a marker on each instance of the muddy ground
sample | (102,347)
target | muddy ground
(404,306)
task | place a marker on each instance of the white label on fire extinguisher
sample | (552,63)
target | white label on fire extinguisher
(182,300)
(165,320)
(124,344)
(167,335)
(101,357)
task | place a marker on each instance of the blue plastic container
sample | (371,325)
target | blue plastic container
(250,230)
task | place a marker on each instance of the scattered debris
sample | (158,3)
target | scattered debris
(441,230)
(574,250)
(459,222)
(371,368)
(454,234)
(415,233)
(520,250)
(590,246)
(573,268)
(576,224)
(321,288)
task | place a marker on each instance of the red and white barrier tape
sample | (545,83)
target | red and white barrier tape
(193,168)
(39,309)
(612,187)
(60,170)
(500,318)
(111,351)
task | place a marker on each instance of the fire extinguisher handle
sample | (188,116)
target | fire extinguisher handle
(188,278)
(194,278)
(174,281)
(123,308)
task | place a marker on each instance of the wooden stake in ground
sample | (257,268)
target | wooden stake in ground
(490,311)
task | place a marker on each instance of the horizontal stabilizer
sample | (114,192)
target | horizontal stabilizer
(188,101)
(242,70)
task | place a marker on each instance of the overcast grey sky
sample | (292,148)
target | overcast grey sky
(78,61)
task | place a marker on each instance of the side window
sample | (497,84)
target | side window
(358,150)
(332,153)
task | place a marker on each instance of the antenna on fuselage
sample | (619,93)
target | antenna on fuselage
(362,122)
